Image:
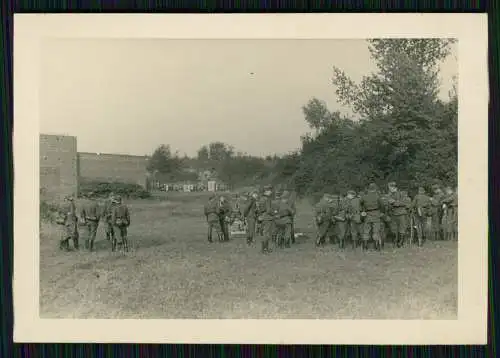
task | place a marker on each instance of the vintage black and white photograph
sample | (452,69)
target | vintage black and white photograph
(249,178)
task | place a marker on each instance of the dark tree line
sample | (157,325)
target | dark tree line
(400,130)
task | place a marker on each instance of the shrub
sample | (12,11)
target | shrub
(103,189)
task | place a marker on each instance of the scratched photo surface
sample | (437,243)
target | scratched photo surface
(245,179)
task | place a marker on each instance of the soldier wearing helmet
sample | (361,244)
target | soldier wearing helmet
(120,218)
(353,216)
(398,209)
(250,212)
(267,218)
(371,209)
(68,219)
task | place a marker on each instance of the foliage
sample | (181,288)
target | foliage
(404,132)
(103,189)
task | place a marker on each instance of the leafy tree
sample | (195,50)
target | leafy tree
(164,162)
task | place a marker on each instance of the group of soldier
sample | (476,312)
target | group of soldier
(113,212)
(365,217)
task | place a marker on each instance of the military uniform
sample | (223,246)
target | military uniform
(90,216)
(284,219)
(121,221)
(449,220)
(436,203)
(267,218)
(211,211)
(323,218)
(421,207)
(250,212)
(106,214)
(341,220)
(68,219)
(224,213)
(399,216)
(353,216)
(371,206)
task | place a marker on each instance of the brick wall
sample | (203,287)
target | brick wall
(113,167)
(58,166)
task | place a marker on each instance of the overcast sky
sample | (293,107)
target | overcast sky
(129,96)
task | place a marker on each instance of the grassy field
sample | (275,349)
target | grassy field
(173,272)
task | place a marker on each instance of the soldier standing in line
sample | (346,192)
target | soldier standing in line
(267,218)
(449,216)
(292,197)
(353,216)
(224,212)
(398,212)
(68,219)
(121,221)
(323,219)
(371,206)
(422,215)
(436,211)
(407,203)
(90,216)
(250,213)
(107,213)
(212,215)
(284,221)
(340,220)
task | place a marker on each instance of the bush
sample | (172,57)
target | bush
(103,189)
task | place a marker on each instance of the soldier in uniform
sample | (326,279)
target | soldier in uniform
(107,212)
(353,216)
(422,215)
(284,221)
(250,213)
(90,216)
(323,219)
(371,210)
(292,198)
(211,213)
(224,212)
(267,219)
(341,220)
(436,212)
(68,219)
(449,219)
(120,218)
(407,203)
(398,210)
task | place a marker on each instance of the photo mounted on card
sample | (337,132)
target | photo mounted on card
(251,178)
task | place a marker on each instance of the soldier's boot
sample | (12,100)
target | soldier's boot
(221,237)
(113,244)
(87,244)
(365,245)
(292,236)
(91,245)
(209,235)
(402,238)
(265,247)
